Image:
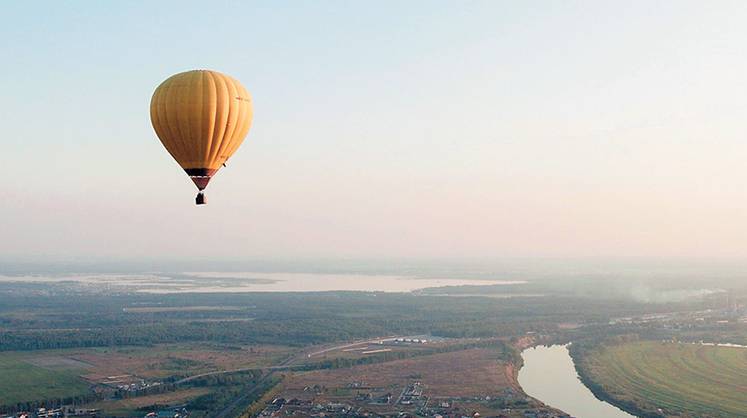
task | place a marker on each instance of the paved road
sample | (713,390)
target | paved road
(260,383)
(284,365)
(353,344)
(228,409)
(197,376)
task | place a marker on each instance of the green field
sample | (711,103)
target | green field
(21,381)
(681,379)
(41,375)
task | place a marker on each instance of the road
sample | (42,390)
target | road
(353,344)
(236,402)
(284,365)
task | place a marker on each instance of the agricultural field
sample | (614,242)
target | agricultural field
(133,406)
(24,378)
(672,379)
(153,363)
(53,374)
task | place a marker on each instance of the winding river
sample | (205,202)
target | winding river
(549,375)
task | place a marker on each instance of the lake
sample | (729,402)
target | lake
(548,374)
(238,282)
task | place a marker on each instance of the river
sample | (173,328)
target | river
(549,375)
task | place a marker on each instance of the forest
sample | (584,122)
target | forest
(32,318)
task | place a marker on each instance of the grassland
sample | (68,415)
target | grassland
(671,379)
(153,363)
(21,381)
(53,374)
(130,407)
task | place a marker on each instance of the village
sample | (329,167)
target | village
(69,411)
(411,401)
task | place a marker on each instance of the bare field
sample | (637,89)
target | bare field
(162,361)
(129,406)
(157,309)
(57,362)
(120,365)
(467,373)
(365,349)
(466,381)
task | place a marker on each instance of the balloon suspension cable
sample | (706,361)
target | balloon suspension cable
(200,199)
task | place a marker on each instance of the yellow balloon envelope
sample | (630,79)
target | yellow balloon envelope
(201,117)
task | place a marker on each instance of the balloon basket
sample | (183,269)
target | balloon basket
(200,199)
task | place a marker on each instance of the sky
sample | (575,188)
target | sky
(382,129)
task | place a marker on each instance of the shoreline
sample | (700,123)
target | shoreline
(601,394)
(512,371)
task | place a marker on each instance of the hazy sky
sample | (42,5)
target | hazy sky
(387,128)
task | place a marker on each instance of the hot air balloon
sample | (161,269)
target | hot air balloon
(201,117)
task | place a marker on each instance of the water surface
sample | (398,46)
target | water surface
(237,282)
(549,375)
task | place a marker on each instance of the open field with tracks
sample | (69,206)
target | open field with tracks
(678,378)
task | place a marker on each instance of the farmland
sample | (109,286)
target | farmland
(665,378)
(166,360)
(130,407)
(21,380)
(326,352)
(54,374)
